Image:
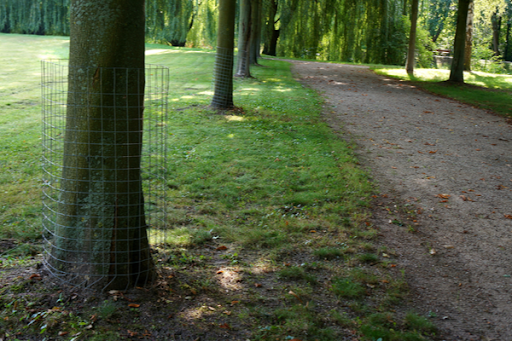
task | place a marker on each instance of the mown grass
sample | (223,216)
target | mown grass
(485,90)
(268,217)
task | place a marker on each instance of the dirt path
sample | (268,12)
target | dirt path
(420,148)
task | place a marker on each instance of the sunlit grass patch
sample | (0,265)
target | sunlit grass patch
(485,90)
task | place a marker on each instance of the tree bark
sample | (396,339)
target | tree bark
(272,35)
(469,37)
(507,55)
(101,233)
(496,28)
(457,69)
(412,39)
(223,76)
(244,40)
(254,51)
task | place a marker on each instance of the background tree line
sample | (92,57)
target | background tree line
(371,31)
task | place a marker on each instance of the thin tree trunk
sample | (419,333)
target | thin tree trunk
(507,55)
(244,39)
(457,69)
(469,37)
(101,233)
(223,76)
(254,51)
(412,39)
(496,28)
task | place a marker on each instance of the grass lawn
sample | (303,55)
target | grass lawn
(268,236)
(485,90)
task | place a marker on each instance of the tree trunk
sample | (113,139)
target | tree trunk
(412,39)
(223,76)
(244,40)
(507,55)
(457,69)
(496,28)
(272,51)
(469,37)
(269,47)
(101,233)
(254,51)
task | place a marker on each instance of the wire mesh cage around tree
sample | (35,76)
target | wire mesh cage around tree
(104,161)
(223,78)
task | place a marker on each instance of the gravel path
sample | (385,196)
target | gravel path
(451,165)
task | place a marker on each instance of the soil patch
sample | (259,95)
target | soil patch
(444,173)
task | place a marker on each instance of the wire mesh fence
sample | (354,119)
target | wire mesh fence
(104,161)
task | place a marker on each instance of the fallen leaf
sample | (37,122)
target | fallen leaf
(433,252)
(225,326)
(234,302)
(63,333)
(219,272)
(443,196)
(465,198)
(36,277)
(258,285)
(394,167)
(429,144)
(312,231)
(212,308)
(449,246)
(295,295)
(433,151)
(220,248)
(133,305)
(227,312)
(508,216)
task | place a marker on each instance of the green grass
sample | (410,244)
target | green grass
(485,90)
(265,199)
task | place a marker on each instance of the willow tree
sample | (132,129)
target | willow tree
(169,21)
(223,74)
(457,68)
(101,229)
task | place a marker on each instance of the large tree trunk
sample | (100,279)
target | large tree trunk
(412,39)
(272,35)
(469,37)
(244,40)
(101,230)
(223,76)
(457,69)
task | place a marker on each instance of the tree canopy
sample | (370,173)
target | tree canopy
(371,31)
